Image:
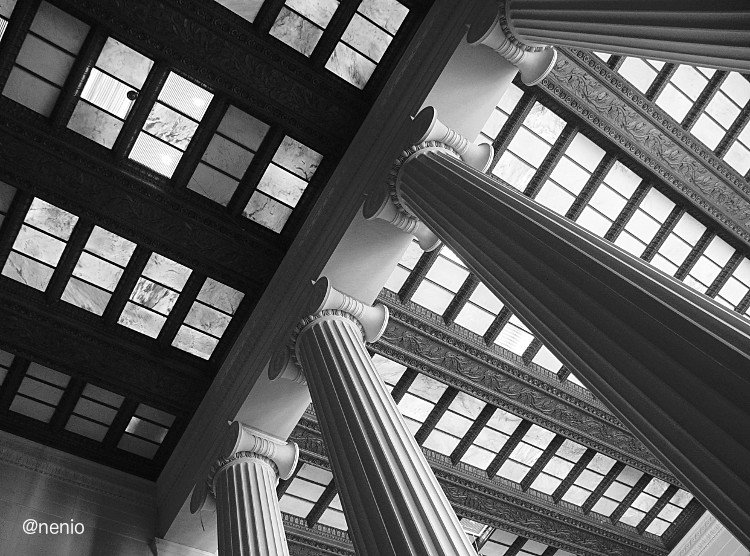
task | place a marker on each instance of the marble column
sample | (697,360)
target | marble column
(393,504)
(241,486)
(714,34)
(669,361)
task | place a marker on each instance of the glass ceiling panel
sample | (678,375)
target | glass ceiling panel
(39,393)
(146,431)
(301,23)
(6,9)
(246,9)
(366,39)
(109,92)
(45,58)
(170,125)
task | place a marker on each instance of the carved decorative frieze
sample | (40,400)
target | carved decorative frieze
(428,348)
(586,86)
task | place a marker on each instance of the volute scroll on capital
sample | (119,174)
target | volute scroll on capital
(327,301)
(242,442)
(494,29)
(427,134)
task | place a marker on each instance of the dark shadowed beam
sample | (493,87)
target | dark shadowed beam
(531,351)
(71,254)
(542,461)
(12,382)
(663,233)
(78,445)
(403,384)
(573,474)
(501,504)
(695,253)
(77,343)
(437,412)
(460,299)
(602,487)
(627,212)
(67,170)
(327,496)
(471,435)
(516,546)
(590,187)
(283,485)
(513,441)
(421,341)
(214,46)
(733,132)
(493,330)
(512,125)
(68,401)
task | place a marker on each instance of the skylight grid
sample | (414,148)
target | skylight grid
(366,39)
(529,146)
(94,412)
(525,455)
(146,431)
(228,156)
(669,513)
(570,174)
(678,244)
(640,72)
(282,184)
(45,59)
(617,491)
(589,479)
(154,295)
(390,371)
(558,467)
(109,92)
(208,319)
(6,360)
(333,515)
(404,267)
(306,490)
(39,244)
(454,424)
(514,336)
(501,542)
(709,264)
(39,393)
(645,222)
(300,23)
(419,400)
(500,114)
(170,125)
(737,286)
(491,439)
(682,90)
(98,270)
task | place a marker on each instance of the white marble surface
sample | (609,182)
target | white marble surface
(367,38)
(267,212)
(39,245)
(212,184)
(95,124)
(389,14)
(207,319)
(221,296)
(296,31)
(97,271)
(282,185)
(227,156)
(110,246)
(389,371)
(153,296)
(124,62)
(86,296)
(141,320)
(246,9)
(350,65)
(297,158)
(185,96)
(169,126)
(513,170)
(243,128)
(194,342)
(503,421)
(427,388)
(51,219)
(319,12)
(166,271)
(27,271)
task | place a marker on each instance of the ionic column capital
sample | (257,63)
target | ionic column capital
(328,302)
(428,133)
(244,443)
(495,30)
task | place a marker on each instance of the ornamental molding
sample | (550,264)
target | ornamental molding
(318,540)
(418,345)
(646,133)
(217,47)
(501,503)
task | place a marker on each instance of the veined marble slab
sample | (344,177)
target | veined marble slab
(319,12)
(267,212)
(154,296)
(124,62)
(296,31)
(51,219)
(86,296)
(141,320)
(297,158)
(282,185)
(389,14)
(207,319)
(166,271)
(170,126)
(220,296)
(95,124)
(367,38)
(195,342)
(110,246)
(350,65)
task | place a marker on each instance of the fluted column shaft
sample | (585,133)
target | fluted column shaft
(714,34)
(392,501)
(248,517)
(669,361)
